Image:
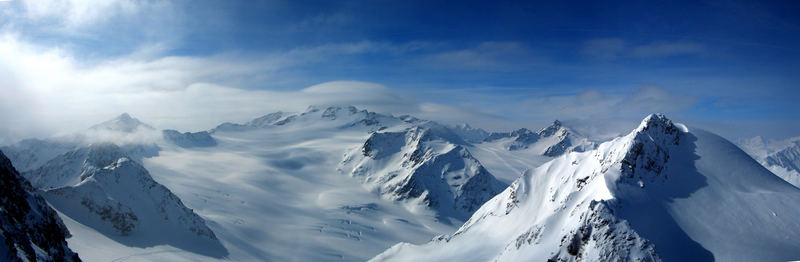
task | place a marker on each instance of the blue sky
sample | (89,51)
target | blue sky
(731,67)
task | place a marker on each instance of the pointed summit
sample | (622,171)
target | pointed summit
(658,121)
(124,117)
(122,123)
(658,128)
(551,130)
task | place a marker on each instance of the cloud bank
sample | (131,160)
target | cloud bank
(68,64)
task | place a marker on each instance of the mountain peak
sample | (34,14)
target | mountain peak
(657,121)
(124,117)
(122,123)
(649,151)
(551,130)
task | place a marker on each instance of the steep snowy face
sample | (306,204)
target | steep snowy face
(122,198)
(102,188)
(646,151)
(188,139)
(660,192)
(29,229)
(425,165)
(122,123)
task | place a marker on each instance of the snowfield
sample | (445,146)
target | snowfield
(342,184)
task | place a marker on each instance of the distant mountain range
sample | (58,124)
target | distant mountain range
(662,192)
(342,183)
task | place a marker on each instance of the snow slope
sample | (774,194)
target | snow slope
(780,157)
(29,229)
(661,192)
(272,192)
(269,190)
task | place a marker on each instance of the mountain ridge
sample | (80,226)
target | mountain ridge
(653,187)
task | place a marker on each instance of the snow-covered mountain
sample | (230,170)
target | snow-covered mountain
(421,163)
(551,141)
(339,183)
(189,139)
(786,163)
(96,178)
(780,157)
(101,187)
(29,229)
(138,139)
(32,153)
(426,164)
(122,123)
(469,133)
(508,154)
(662,192)
(344,116)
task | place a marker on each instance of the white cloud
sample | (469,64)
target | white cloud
(46,91)
(78,13)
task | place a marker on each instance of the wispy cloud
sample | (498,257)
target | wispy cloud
(617,48)
(77,13)
(65,64)
(663,49)
(486,55)
(48,90)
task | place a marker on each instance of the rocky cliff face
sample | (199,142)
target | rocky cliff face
(31,230)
